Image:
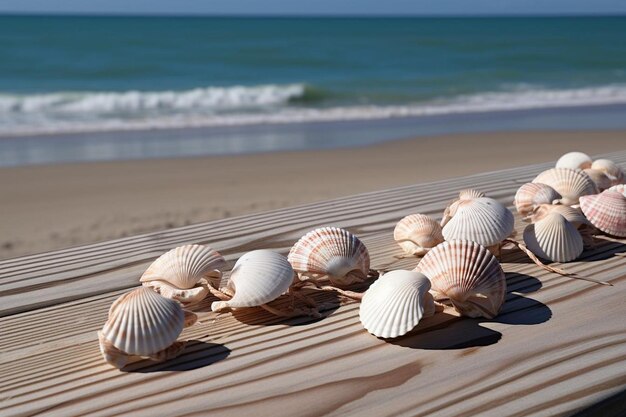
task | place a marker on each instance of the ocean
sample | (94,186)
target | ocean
(68,75)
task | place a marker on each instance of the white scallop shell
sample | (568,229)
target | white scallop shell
(569,183)
(331,252)
(620,188)
(468,274)
(574,160)
(613,171)
(395,303)
(416,233)
(481,220)
(183,267)
(554,238)
(530,195)
(257,278)
(142,322)
(599,178)
(606,211)
(571,214)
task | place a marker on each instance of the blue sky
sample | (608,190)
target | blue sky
(307,7)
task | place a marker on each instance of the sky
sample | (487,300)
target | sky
(316,7)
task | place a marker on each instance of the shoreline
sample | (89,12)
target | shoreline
(298,136)
(50,207)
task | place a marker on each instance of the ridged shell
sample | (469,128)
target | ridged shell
(468,274)
(606,211)
(416,233)
(184,266)
(613,171)
(530,195)
(395,303)
(554,238)
(574,160)
(470,193)
(143,322)
(481,220)
(571,214)
(569,183)
(332,252)
(257,278)
(599,178)
(620,188)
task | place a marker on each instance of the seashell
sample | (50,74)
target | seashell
(599,178)
(620,188)
(481,220)
(574,160)
(569,183)
(606,211)
(395,303)
(257,278)
(613,171)
(416,233)
(183,267)
(554,238)
(331,252)
(468,274)
(464,196)
(470,193)
(140,323)
(531,195)
(571,214)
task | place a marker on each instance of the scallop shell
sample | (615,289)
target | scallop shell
(470,193)
(613,171)
(481,220)
(332,252)
(571,214)
(395,303)
(620,188)
(599,178)
(257,278)
(416,233)
(142,322)
(574,160)
(183,267)
(606,211)
(468,274)
(530,195)
(569,183)
(554,238)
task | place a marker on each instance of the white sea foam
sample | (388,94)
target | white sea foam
(228,106)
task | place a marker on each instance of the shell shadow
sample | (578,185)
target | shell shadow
(613,406)
(256,316)
(197,354)
(517,282)
(445,331)
(603,250)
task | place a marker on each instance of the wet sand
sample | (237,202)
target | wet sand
(57,206)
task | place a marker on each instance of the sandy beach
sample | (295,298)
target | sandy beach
(53,207)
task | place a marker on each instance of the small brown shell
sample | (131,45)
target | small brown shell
(417,233)
(468,274)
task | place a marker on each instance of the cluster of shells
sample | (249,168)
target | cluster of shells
(565,206)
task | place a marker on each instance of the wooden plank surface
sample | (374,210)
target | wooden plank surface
(558,346)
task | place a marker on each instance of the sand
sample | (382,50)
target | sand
(52,207)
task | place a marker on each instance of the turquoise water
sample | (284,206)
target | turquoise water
(74,74)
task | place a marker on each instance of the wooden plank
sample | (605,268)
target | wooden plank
(558,346)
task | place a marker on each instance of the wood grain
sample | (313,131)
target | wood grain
(558,346)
